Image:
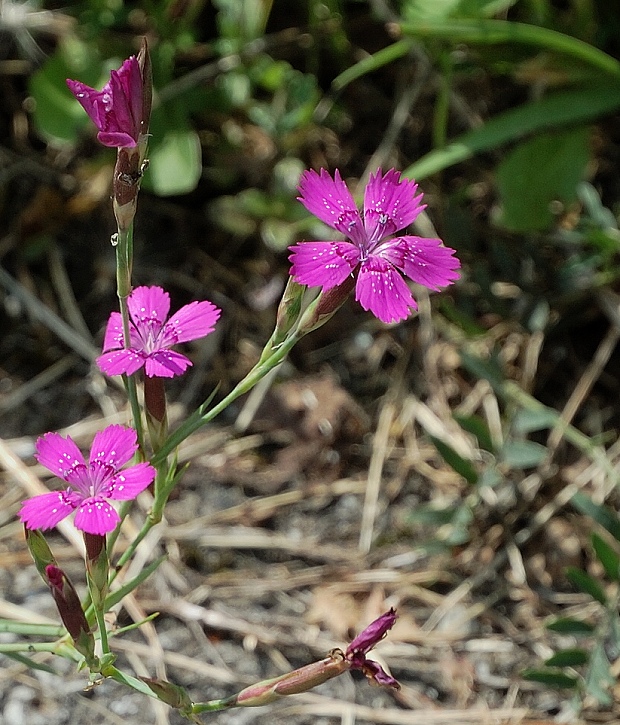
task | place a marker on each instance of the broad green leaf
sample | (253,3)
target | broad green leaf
(557,109)
(568,625)
(538,172)
(523,454)
(553,678)
(175,163)
(461,465)
(607,518)
(57,114)
(607,556)
(568,658)
(599,678)
(586,583)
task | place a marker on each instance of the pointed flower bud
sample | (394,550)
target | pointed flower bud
(71,612)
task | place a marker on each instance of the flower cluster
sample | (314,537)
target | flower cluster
(91,484)
(371,251)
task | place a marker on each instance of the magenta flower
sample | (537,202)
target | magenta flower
(364,642)
(371,250)
(152,334)
(90,484)
(118,108)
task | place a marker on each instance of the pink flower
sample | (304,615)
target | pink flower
(364,642)
(118,109)
(371,250)
(90,484)
(152,334)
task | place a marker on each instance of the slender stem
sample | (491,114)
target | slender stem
(103,632)
(124,262)
(201,416)
(442,105)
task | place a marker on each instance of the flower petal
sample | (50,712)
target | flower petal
(190,323)
(377,675)
(373,633)
(118,362)
(130,482)
(425,261)
(46,510)
(390,204)
(60,455)
(116,139)
(323,264)
(96,516)
(113,338)
(148,307)
(331,201)
(382,290)
(91,100)
(126,89)
(166,364)
(113,446)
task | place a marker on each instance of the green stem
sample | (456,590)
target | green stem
(202,416)
(103,632)
(124,263)
(33,629)
(442,105)
(62,649)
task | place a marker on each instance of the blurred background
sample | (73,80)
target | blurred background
(461,466)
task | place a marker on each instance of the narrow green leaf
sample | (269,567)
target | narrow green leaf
(568,625)
(607,556)
(498,32)
(116,596)
(568,658)
(586,583)
(22,659)
(555,110)
(371,63)
(462,466)
(553,678)
(604,516)
(475,425)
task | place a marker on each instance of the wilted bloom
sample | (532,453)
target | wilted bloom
(90,484)
(371,251)
(364,642)
(152,334)
(119,109)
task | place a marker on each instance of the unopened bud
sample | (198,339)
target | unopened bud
(292,683)
(71,612)
(325,306)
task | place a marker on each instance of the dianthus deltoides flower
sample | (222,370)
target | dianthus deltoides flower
(118,109)
(152,334)
(91,484)
(371,251)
